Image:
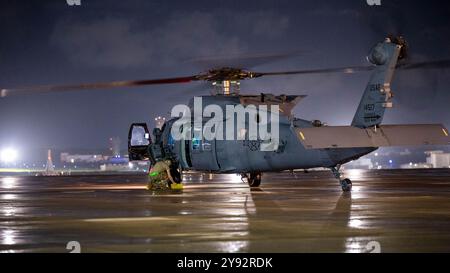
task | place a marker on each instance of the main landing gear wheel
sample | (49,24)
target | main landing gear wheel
(346,185)
(253,179)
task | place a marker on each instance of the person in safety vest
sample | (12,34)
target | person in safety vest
(159,176)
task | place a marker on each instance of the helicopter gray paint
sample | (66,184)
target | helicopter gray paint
(224,156)
(245,156)
(371,108)
(242,156)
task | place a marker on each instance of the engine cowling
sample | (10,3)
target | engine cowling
(378,55)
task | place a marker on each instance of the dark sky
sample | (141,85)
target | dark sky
(49,42)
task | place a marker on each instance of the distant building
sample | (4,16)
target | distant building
(438,159)
(114,146)
(68,158)
(362,163)
(114,167)
(129,167)
(420,165)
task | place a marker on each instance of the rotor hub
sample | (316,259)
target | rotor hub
(227,74)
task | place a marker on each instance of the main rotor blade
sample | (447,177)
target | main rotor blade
(441,64)
(102,85)
(242,61)
(345,70)
(426,65)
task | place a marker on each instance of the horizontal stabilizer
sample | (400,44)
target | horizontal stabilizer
(383,136)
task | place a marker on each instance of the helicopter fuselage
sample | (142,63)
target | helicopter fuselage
(291,143)
(245,155)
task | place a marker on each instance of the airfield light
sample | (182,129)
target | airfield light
(8,155)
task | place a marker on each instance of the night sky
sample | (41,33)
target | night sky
(49,42)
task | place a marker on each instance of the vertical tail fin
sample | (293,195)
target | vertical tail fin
(377,95)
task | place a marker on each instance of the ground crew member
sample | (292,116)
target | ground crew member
(159,176)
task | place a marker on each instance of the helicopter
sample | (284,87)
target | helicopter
(297,144)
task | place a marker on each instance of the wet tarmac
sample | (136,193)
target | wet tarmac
(388,211)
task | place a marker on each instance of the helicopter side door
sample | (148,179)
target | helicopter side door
(203,153)
(138,142)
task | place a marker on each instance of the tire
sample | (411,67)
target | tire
(176,175)
(346,185)
(254,180)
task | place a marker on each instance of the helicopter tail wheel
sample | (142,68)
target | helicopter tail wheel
(254,180)
(346,185)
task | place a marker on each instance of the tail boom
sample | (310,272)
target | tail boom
(377,95)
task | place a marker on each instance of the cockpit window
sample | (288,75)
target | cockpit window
(139,137)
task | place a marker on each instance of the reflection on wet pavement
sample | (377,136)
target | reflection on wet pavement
(407,211)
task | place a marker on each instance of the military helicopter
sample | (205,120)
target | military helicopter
(301,144)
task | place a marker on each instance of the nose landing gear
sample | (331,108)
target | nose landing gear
(253,179)
(346,184)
